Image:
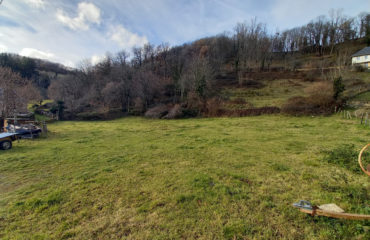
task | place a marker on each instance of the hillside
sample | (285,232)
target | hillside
(274,89)
(305,70)
(40,72)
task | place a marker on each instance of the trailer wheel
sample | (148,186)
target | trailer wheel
(6,145)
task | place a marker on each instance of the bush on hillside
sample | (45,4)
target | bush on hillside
(338,87)
(89,116)
(238,101)
(311,76)
(320,101)
(213,107)
(297,64)
(253,111)
(158,111)
(248,112)
(309,106)
(190,112)
(253,84)
(138,107)
(323,88)
(175,112)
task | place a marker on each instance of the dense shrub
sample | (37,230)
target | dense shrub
(158,111)
(138,107)
(320,89)
(295,106)
(253,84)
(338,87)
(359,68)
(175,112)
(194,102)
(217,108)
(311,76)
(103,114)
(297,64)
(309,106)
(319,101)
(190,112)
(89,116)
(213,107)
(344,155)
(238,101)
(252,111)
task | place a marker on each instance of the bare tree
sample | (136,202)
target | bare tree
(364,24)
(70,89)
(114,95)
(15,92)
(335,19)
(137,60)
(198,79)
(122,75)
(146,86)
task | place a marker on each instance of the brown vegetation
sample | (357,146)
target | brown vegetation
(15,92)
(319,101)
(190,76)
(158,111)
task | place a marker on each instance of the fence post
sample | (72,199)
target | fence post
(44,128)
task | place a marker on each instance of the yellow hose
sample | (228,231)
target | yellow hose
(360,162)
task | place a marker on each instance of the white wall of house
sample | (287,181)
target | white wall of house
(361,59)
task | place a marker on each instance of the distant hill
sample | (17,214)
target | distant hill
(40,72)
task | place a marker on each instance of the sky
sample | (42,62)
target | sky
(70,31)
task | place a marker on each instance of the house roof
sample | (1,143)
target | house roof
(362,52)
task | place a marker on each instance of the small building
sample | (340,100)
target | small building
(20,118)
(362,58)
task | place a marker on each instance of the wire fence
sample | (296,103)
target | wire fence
(362,117)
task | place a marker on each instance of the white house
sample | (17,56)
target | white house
(362,57)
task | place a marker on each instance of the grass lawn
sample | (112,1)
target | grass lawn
(222,178)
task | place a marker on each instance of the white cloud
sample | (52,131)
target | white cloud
(96,59)
(34,53)
(68,63)
(36,3)
(126,39)
(87,13)
(3,48)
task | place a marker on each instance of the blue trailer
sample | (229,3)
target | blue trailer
(6,140)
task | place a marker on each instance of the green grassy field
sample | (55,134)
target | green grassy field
(225,178)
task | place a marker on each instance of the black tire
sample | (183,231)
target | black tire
(6,145)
